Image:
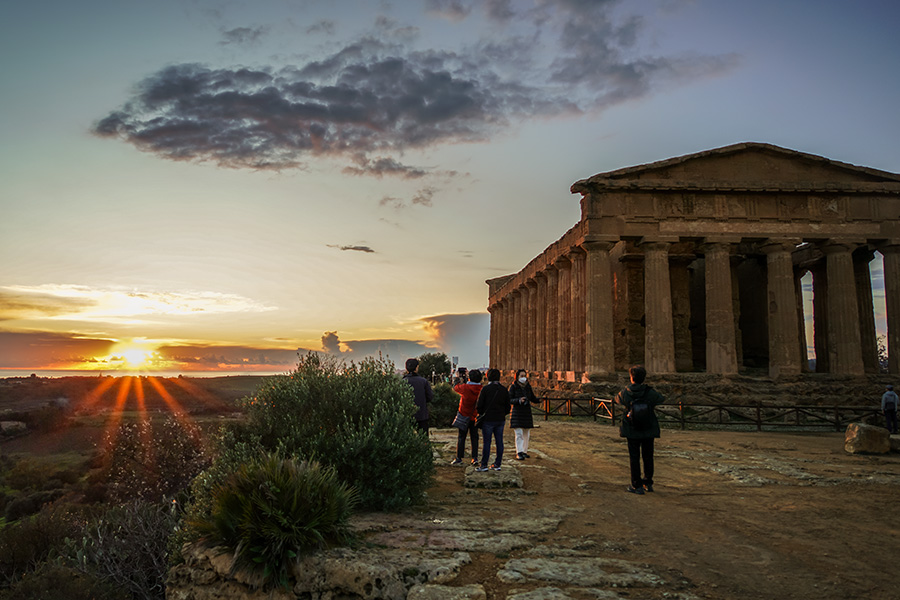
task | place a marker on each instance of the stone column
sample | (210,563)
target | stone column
(515,340)
(844,344)
(635,334)
(868,339)
(541,323)
(680,279)
(526,331)
(552,317)
(782,314)
(721,348)
(801,320)
(736,304)
(494,310)
(891,256)
(659,349)
(564,323)
(599,344)
(530,333)
(576,351)
(820,316)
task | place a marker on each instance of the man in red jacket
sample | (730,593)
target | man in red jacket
(468,396)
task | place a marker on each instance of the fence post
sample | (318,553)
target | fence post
(759,415)
(837,418)
(546,408)
(681,413)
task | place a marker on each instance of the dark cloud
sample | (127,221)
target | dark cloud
(213,358)
(36,350)
(380,167)
(396,350)
(422,197)
(325,26)
(241,36)
(365,249)
(376,96)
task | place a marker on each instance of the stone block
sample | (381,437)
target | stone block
(866,439)
(895,443)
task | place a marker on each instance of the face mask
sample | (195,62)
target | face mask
(523,379)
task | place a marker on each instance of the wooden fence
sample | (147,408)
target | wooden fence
(737,416)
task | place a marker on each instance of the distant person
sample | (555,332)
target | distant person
(640,427)
(422,391)
(492,407)
(889,402)
(468,399)
(521,397)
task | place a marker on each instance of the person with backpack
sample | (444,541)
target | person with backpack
(889,403)
(640,427)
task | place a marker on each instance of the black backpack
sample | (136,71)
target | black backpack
(641,413)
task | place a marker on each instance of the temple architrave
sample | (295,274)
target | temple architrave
(693,264)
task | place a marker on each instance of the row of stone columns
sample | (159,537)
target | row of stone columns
(562,318)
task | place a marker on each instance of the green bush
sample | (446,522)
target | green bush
(151,461)
(49,579)
(272,510)
(445,405)
(126,546)
(28,542)
(29,503)
(356,418)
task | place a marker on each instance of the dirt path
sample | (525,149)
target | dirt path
(734,515)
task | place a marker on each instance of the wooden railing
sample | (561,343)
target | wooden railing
(738,416)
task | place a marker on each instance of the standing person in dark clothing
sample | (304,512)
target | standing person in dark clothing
(889,403)
(468,398)
(640,427)
(492,406)
(521,396)
(421,390)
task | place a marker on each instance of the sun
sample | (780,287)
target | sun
(133,355)
(136,357)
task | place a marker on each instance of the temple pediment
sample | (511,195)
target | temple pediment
(746,166)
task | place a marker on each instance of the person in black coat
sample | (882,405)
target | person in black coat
(521,397)
(640,427)
(492,408)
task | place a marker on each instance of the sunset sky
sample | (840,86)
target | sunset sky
(199,185)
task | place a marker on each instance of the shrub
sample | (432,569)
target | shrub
(270,511)
(356,418)
(50,578)
(27,543)
(148,461)
(126,546)
(29,474)
(29,504)
(444,406)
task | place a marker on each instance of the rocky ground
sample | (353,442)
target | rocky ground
(733,516)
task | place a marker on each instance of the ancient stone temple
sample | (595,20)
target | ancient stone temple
(693,264)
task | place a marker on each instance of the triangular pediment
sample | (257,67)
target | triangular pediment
(742,165)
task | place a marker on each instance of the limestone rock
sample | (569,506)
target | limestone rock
(507,477)
(579,571)
(446,592)
(12,427)
(862,438)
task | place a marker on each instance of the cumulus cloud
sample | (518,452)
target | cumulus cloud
(463,335)
(396,350)
(379,96)
(197,357)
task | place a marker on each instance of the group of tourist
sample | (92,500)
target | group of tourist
(485,407)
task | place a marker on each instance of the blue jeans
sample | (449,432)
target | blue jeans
(495,429)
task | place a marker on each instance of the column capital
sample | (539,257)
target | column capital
(892,247)
(837,246)
(655,243)
(773,245)
(592,245)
